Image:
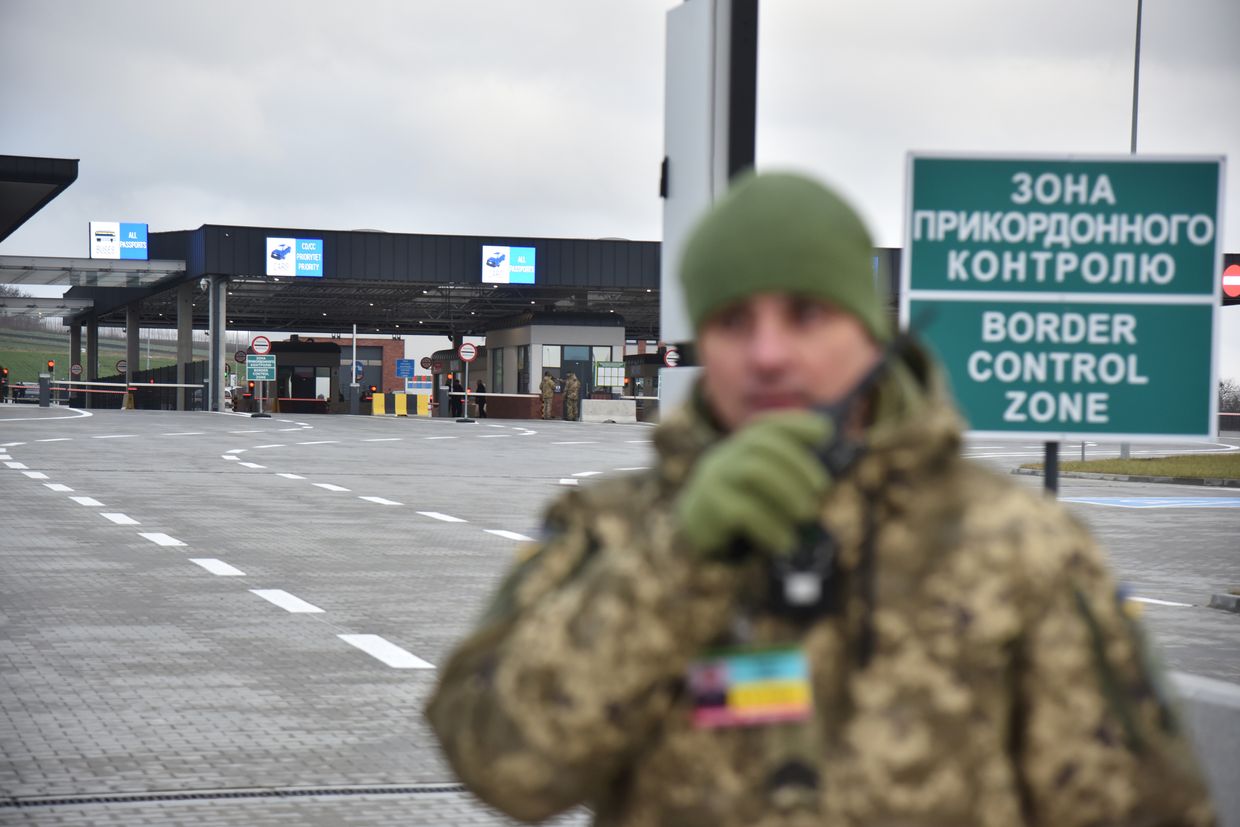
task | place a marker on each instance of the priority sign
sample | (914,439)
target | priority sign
(1068,297)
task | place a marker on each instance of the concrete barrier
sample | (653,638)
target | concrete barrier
(1211,710)
(608,410)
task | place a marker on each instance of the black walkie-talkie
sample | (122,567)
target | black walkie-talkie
(802,585)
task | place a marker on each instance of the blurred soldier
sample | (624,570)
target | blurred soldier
(572,397)
(547,389)
(813,611)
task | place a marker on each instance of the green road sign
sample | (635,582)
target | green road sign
(1068,297)
(260,368)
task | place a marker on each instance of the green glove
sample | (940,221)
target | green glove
(759,485)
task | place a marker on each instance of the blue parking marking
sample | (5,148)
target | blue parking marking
(1158,502)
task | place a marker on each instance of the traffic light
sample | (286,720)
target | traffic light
(249,390)
(51,365)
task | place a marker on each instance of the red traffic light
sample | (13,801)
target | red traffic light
(51,364)
(249,390)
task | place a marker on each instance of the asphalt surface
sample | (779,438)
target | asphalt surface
(214,619)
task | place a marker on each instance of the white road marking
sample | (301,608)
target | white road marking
(11,444)
(160,539)
(118,518)
(587,473)
(494,436)
(186,433)
(321,442)
(327,486)
(17,466)
(383,439)
(575,443)
(379,500)
(638,441)
(57,439)
(236,450)
(217,567)
(251,465)
(55,486)
(291,476)
(276,445)
(570,482)
(439,437)
(386,651)
(286,421)
(246,432)
(114,436)
(35,475)
(292,429)
(1157,602)
(89,502)
(447,518)
(507,535)
(635,468)
(286,601)
(229,456)
(490,425)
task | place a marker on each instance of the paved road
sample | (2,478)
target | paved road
(206,603)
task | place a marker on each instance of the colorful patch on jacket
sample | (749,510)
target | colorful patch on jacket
(750,687)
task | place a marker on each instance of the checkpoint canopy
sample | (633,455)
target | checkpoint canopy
(1068,297)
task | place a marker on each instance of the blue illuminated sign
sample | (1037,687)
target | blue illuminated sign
(508,265)
(295,257)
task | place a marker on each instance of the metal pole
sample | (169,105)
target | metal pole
(1051,468)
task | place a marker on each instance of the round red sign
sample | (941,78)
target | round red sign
(425,363)
(76,370)
(261,345)
(468,352)
(1231,281)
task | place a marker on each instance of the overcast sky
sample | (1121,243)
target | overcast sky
(544,117)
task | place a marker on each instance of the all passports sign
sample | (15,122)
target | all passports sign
(1068,297)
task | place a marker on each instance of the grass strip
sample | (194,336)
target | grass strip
(1216,466)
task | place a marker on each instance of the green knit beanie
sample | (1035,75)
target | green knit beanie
(778,232)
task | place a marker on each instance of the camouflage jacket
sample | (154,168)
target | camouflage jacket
(982,670)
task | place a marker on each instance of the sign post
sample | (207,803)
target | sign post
(468,353)
(261,346)
(260,368)
(1068,297)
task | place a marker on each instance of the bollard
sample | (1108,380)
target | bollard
(376,405)
(400,404)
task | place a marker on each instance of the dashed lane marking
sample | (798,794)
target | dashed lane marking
(447,518)
(379,501)
(286,601)
(236,450)
(508,535)
(217,567)
(291,429)
(439,437)
(291,476)
(186,433)
(588,442)
(57,439)
(274,445)
(58,487)
(1158,502)
(160,539)
(89,502)
(386,651)
(11,444)
(114,436)
(637,441)
(383,439)
(327,486)
(230,456)
(1158,602)
(17,466)
(35,475)
(256,431)
(321,442)
(251,465)
(635,468)
(587,473)
(118,518)
(570,482)
(494,436)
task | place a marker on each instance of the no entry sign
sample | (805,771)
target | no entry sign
(1068,297)
(1231,281)
(468,352)
(261,345)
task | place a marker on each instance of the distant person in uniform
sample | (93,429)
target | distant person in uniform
(547,390)
(812,610)
(458,401)
(481,400)
(572,397)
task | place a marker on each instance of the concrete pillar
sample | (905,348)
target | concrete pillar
(91,366)
(75,358)
(185,340)
(133,337)
(218,308)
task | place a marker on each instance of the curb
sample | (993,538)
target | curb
(1212,482)
(1226,602)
